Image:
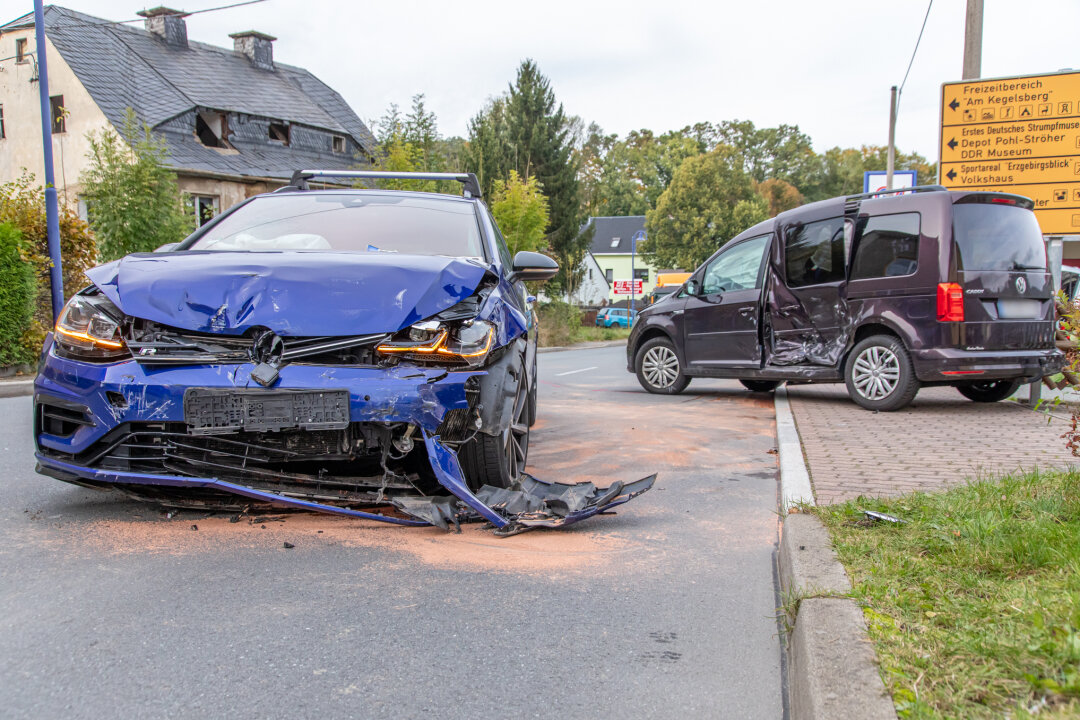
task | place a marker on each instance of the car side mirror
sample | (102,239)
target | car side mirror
(692,288)
(533,266)
(167,247)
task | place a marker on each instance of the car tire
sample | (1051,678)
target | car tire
(499,460)
(659,369)
(989,391)
(533,395)
(879,374)
(760,386)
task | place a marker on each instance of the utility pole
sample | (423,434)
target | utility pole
(891,166)
(973,28)
(52,210)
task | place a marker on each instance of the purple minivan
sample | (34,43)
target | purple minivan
(886,292)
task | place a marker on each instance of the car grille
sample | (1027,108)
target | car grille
(341,466)
(154,344)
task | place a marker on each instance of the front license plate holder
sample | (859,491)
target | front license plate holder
(214,411)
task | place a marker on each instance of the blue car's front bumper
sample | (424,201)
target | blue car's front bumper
(105,401)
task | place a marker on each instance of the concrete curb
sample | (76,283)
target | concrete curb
(16,388)
(582,346)
(831,668)
(794,477)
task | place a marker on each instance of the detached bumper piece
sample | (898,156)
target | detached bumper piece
(530,504)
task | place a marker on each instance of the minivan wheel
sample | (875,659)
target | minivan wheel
(879,375)
(658,368)
(989,391)
(760,386)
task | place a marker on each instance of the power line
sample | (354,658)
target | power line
(68,21)
(913,53)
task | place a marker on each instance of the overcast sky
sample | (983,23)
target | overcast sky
(825,66)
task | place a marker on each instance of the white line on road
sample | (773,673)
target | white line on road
(574,372)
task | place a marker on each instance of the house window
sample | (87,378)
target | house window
(206,207)
(59,114)
(212,129)
(339,144)
(279,132)
(615,242)
(641,274)
(609,275)
(2,133)
(20,50)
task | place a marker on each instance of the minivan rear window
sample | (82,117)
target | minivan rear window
(997,237)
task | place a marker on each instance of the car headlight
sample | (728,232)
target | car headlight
(89,329)
(431,341)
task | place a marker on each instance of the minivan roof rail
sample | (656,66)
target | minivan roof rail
(470,185)
(895,191)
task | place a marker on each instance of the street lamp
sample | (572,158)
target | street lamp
(639,235)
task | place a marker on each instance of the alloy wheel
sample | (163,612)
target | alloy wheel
(660,366)
(517,435)
(876,372)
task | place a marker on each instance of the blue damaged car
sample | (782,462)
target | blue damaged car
(365,352)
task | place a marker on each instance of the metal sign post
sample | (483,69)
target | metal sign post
(639,235)
(52,211)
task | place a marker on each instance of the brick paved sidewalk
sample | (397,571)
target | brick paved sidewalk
(942,438)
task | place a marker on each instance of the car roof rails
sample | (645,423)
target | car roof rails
(898,191)
(470,185)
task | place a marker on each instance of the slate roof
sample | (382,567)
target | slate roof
(123,66)
(609,228)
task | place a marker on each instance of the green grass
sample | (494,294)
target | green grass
(973,604)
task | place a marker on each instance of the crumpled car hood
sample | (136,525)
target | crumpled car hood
(297,294)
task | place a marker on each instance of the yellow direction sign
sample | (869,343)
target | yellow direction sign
(1018,135)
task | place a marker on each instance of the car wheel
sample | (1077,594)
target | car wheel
(989,391)
(499,460)
(658,368)
(760,386)
(533,396)
(879,375)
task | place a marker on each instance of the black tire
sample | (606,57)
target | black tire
(659,369)
(499,460)
(760,386)
(989,391)
(879,375)
(534,395)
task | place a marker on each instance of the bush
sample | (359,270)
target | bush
(17,292)
(559,323)
(22,204)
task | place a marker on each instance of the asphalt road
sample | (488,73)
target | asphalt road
(667,609)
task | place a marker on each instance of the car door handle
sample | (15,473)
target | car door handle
(785,310)
(746,310)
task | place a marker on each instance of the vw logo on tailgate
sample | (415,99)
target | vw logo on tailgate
(1021,284)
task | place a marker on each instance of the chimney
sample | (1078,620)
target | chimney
(259,47)
(166,23)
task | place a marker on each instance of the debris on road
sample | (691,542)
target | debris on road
(882,517)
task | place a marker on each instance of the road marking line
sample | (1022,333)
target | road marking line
(574,372)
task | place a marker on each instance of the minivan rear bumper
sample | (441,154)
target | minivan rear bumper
(952,365)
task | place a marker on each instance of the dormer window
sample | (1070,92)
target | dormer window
(212,128)
(279,132)
(615,242)
(339,144)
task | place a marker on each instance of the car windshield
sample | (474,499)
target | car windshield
(349,222)
(997,237)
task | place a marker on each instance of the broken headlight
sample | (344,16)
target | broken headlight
(431,341)
(89,329)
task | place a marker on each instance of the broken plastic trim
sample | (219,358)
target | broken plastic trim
(529,504)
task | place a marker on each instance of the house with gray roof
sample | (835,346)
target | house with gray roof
(236,121)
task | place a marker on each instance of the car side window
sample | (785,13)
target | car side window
(735,269)
(500,244)
(814,252)
(886,246)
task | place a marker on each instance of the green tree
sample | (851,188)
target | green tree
(17,293)
(521,211)
(783,152)
(132,196)
(840,170)
(710,200)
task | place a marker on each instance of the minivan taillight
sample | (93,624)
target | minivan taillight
(950,302)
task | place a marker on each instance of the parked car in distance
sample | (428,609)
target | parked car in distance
(885,292)
(621,317)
